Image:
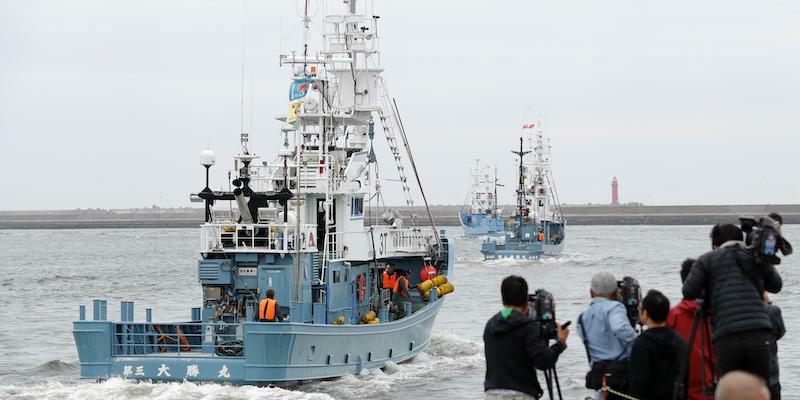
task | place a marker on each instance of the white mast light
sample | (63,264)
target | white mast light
(207,158)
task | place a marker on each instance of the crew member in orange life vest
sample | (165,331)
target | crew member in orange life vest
(541,235)
(400,288)
(427,272)
(401,295)
(268,309)
(389,277)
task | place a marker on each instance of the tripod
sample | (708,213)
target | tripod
(550,375)
(700,317)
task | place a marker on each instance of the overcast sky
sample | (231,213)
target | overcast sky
(108,103)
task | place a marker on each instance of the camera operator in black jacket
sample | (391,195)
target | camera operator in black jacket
(515,345)
(732,282)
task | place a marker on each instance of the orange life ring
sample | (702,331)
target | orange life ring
(362,287)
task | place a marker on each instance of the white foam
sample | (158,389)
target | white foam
(449,356)
(129,390)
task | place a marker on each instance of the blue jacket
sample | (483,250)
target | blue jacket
(608,331)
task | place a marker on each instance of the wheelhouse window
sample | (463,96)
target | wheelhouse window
(357,207)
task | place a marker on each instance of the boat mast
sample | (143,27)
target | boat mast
(494,200)
(521,185)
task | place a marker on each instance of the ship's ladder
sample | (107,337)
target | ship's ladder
(315,268)
(389,122)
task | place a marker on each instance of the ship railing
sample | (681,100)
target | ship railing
(383,241)
(264,177)
(410,239)
(176,338)
(338,37)
(334,246)
(270,238)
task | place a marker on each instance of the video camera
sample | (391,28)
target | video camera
(765,239)
(631,297)
(542,309)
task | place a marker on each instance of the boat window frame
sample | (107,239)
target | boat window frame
(356,207)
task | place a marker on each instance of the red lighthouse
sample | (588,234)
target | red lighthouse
(614,192)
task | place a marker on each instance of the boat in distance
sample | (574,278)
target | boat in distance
(481,217)
(297,226)
(536,228)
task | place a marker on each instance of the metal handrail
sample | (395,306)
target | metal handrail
(273,238)
(140,338)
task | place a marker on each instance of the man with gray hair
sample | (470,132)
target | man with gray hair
(607,335)
(740,385)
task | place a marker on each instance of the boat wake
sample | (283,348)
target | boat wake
(575,259)
(448,357)
(117,388)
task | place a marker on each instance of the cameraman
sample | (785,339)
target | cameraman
(732,283)
(607,335)
(514,346)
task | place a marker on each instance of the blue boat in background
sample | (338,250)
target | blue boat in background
(481,217)
(296,226)
(535,229)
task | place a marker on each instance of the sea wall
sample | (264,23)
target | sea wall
(442,215)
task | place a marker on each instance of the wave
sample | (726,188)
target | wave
(449,356)
(117,388)
(54,368)
(66,278)
(446,344)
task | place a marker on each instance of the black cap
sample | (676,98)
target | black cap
(777,217)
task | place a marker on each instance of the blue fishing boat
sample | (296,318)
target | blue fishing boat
(301,229)
(536,228)
(481,217)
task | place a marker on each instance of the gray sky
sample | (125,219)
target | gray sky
(108,103)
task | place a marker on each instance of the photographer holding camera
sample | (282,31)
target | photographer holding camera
(732,278)
(515,344)
(608,335)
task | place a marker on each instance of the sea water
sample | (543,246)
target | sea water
(46,274)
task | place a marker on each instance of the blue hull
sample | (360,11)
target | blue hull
(481,225)
(279,353)
(213,349)
(521,242)
(495,251)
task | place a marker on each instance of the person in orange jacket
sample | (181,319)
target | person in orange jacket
(401,295)
(680,319)
(268,308)
(389,277)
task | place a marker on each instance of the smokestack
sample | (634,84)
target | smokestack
(244,210)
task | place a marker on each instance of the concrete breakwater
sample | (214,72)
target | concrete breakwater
(442,215)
